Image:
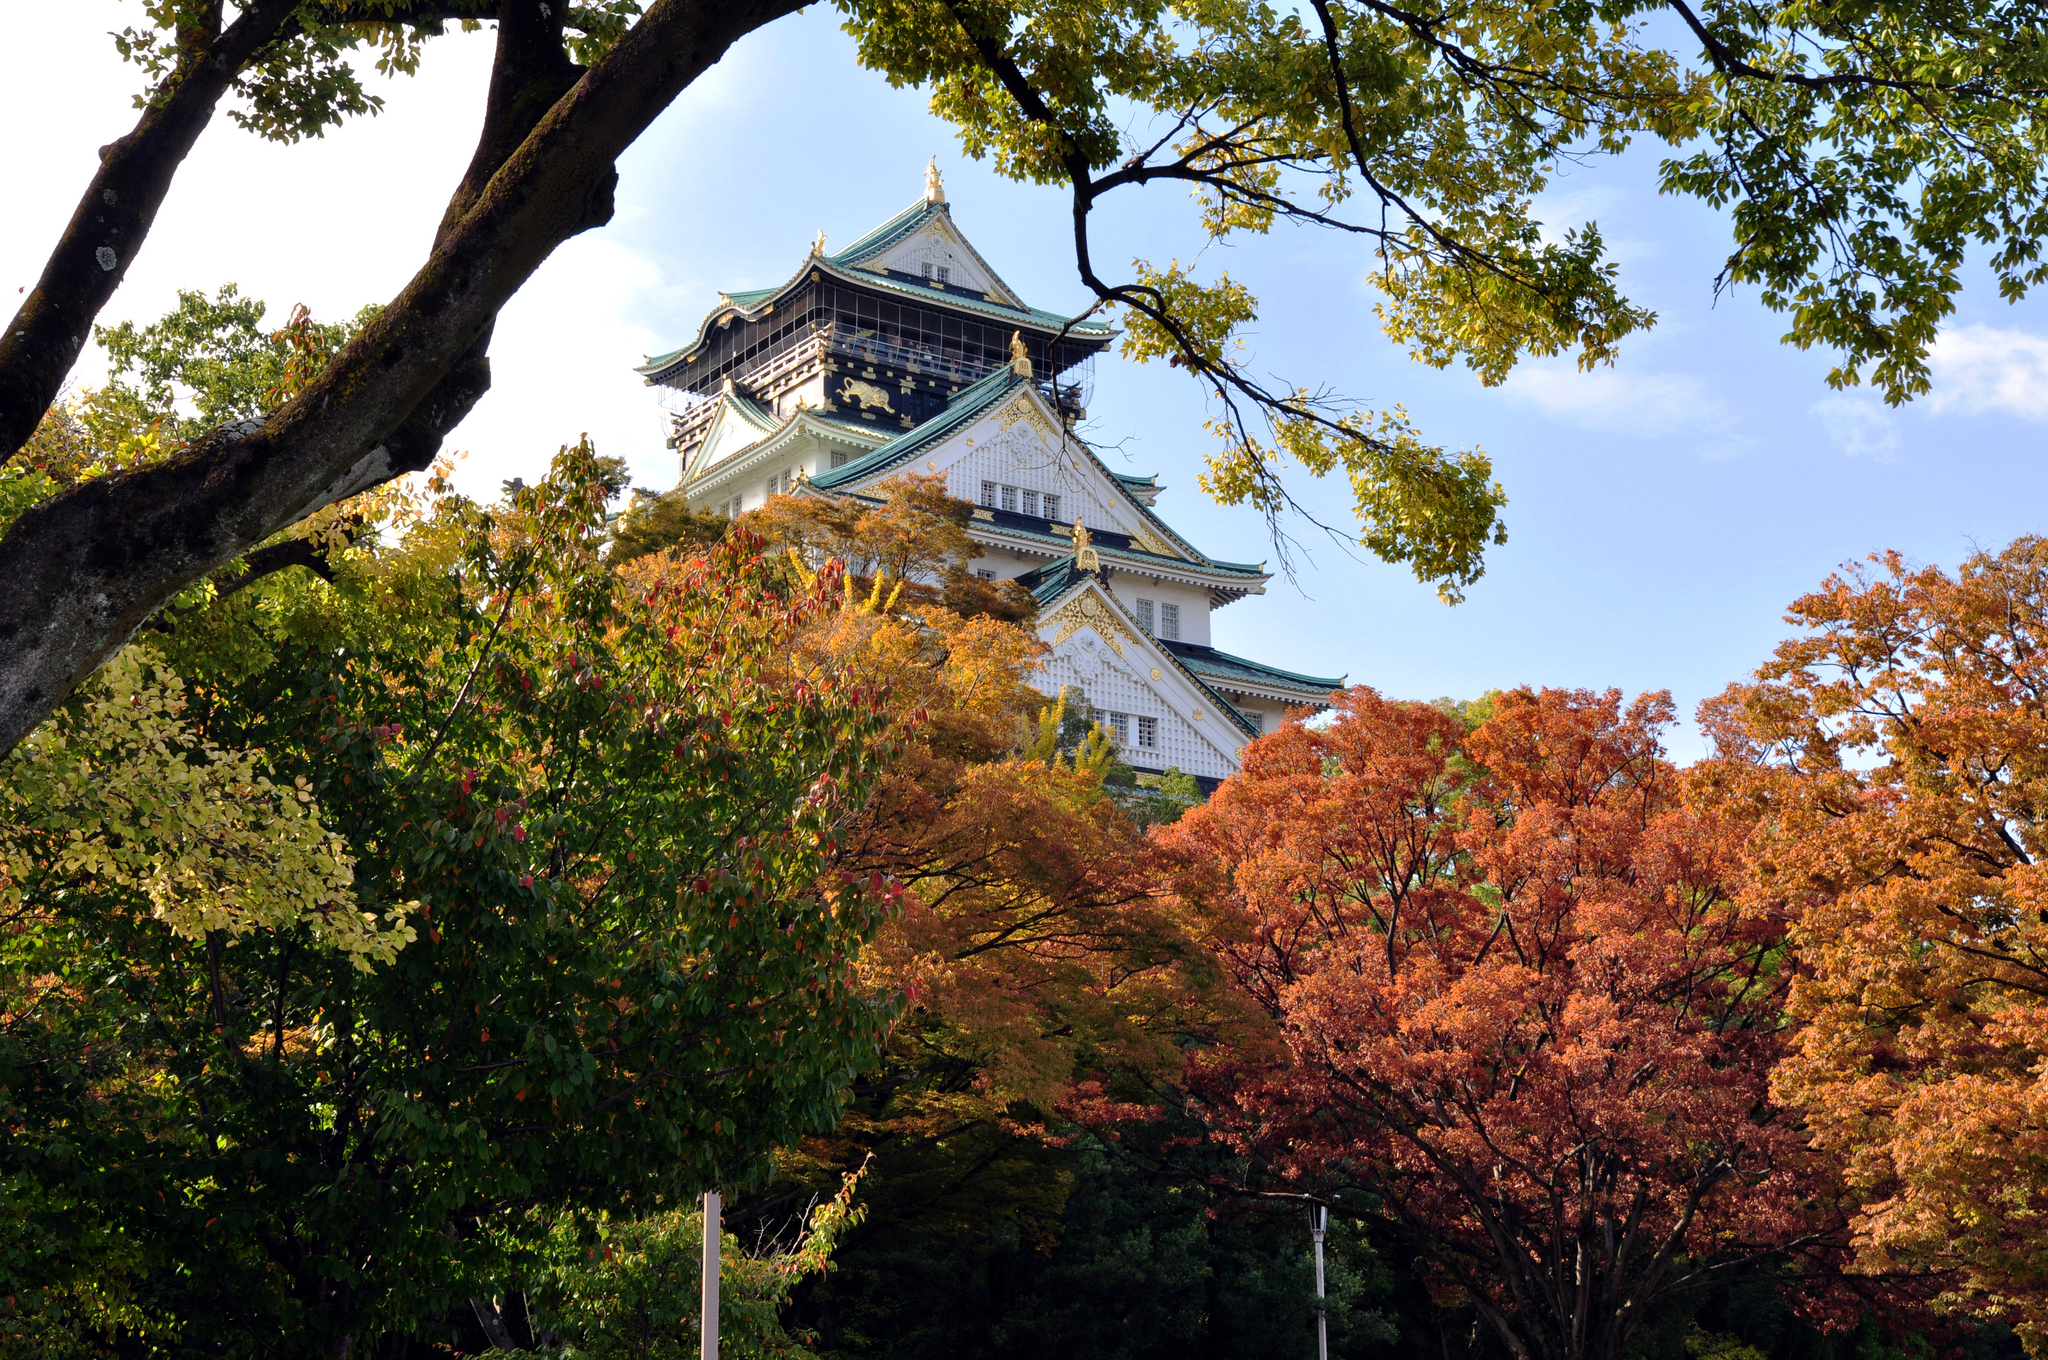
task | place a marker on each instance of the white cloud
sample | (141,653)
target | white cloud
(1643,405)
(1567,207)
(1982,368)
(561,366)
(1860,427)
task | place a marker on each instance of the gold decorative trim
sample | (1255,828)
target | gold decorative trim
(1150,542)
(867,394)
(1026,410)
(1086,611)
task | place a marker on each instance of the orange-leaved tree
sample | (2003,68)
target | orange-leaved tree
(1897,759)
(1031,955)
(1525,1012)
(912,544)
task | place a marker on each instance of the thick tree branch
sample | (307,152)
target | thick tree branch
(108,226)
(293,552)
(82,571)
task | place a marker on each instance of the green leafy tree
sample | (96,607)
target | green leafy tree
(213,357)
(606,812)
(632,1288)
(1858,151)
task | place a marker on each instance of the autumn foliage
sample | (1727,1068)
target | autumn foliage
(1897,756)
(1525,1008)
(1031,952)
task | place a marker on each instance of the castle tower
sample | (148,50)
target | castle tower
(907,352)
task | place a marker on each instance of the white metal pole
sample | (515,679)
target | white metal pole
(1318,1224)
(707,1329)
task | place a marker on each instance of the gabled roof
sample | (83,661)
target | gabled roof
(732,406)
(1224,667)
(757,415)
(909,223)
(848,264)
(809,422)
(967,406)
(1054,581)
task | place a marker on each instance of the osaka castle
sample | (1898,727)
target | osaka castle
(907,353)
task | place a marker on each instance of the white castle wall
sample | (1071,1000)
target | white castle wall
(1114,683)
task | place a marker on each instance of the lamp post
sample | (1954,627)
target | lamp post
(1318,1224)
(707,1326)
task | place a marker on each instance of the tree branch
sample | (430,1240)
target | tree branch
(113,218)
(80,572)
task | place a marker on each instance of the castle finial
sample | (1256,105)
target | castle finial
(1020,356)
(818,246)
(934,187)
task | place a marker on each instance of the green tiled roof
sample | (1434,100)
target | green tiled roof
(965,407)
(1223,666)
(911,221)
(757,415)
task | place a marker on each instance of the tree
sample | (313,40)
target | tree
(1894,756)
(1523,1010)
(602,812)
(631,1288)
(1858,153)
(915,543)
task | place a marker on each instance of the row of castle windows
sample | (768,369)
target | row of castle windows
(1018,501)
(1169,620)
(1120,730)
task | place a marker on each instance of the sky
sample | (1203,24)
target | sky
(1663,512)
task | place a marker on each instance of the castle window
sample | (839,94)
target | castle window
(937,273)
(1009,498)
(984,573)
(838,459)
(772,481)
(1052,506)
(1031,502)
(1169,621)
(1148,733)
(1119,728)
(1145,615)
(1258,719)
(988,494)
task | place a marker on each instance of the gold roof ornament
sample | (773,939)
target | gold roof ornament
(1020,355)
(934,187)
(1085,556)
(818,246)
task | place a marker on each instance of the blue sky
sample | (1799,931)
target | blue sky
(1661,514)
